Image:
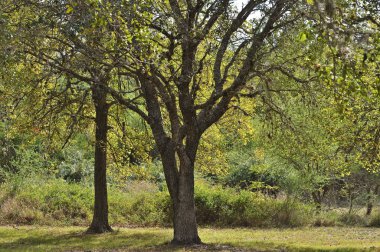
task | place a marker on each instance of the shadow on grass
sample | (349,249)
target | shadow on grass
(73,239)
(203,247)
(78,241)
(42,240)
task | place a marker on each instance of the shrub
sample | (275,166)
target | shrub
(57,202)
(228,207)
(352,219)
(75,166)
(375,220)
(327,219)
(12,211)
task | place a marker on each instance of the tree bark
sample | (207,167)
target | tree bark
(184,218)
(100,218)
(369,201)
(180,183)
(351,201)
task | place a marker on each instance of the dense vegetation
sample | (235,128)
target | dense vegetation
(181,113)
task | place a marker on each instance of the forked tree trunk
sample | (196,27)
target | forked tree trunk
(100,219)
(180,183)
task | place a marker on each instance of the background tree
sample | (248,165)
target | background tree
(68,43)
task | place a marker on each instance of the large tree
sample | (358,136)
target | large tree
(196,60)
(68,47)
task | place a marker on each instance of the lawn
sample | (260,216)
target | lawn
(34,238)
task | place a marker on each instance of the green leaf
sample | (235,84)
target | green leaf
(303,37)
(69,9)
(311,2)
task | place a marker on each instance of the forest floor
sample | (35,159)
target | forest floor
(36,238)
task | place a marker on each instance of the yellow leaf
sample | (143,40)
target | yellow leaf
(303,37)
(69,9)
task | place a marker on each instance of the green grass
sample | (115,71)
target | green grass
(35,238)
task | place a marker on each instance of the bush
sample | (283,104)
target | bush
(75,166)
(327,219)
(352,219)
(46,201)
(57,202)
(375,220)
(228,207)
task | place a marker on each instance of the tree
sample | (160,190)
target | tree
(63,43)
(349,71)
(197,58)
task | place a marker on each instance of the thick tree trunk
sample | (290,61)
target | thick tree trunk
(180,183)
(184,219)
(180,180)
(100,219)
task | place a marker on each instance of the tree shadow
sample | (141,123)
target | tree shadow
(202,247)
(115,241)
(79,241)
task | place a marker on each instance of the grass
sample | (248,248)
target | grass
(35,238)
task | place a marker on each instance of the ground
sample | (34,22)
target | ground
(34,238)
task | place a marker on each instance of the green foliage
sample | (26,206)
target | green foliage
(57,202)
(247,169)
(352,219)
(150,171)
(317,118)
(75,166)
(30,162)
(228,207)
(375,220)
(37,201)
(327,219)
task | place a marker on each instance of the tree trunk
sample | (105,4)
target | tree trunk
(317,200)
(184,219)
(100,219)
(351,202)
(369,201)
(180,183)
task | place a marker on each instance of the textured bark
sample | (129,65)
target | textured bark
(184,219)
(181,189)
(175,93)
(100,219)
(179,175)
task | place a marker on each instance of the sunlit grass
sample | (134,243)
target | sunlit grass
(36,238)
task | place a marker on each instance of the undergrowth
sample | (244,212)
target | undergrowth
(57,202)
